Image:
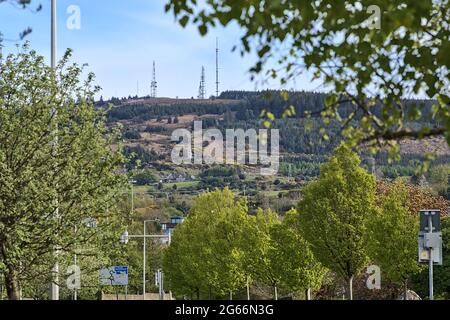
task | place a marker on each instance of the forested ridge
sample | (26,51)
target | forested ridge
(302,141)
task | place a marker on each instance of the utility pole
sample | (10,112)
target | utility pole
(144,265)
(430,261)
(1,46)
(217,67)
(53,42)
(154,84)
(145,260)
(54,287)
(160,283)
(125,237)
(202,89)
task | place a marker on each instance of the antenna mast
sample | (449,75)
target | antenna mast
(154,83)
(202,89)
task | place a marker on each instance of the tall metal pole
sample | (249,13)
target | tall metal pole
(430,261)
(248,289)
(54,290)
(1,46)
(144,265)
(145,251)
(75,293)
(132,199)
(53,44)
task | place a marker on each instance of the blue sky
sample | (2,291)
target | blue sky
(119,39)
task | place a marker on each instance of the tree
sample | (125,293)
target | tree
(439,178)
(448,188)
(372,55)
(293,259)
(206,254)
(56,165)
(259,255)
(419,198)
(132,135)
(144,177)
(333,214)
(393,237)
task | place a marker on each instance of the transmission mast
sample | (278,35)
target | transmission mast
(154,84)
(217,67)
(202,88)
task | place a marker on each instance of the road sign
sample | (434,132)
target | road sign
(430,242)
(434,241)
(114,276)
(435,219)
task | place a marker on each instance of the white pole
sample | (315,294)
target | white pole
(132,199)
(248,289)
(162,285)
(53,44)
(430,260)
(54,294)
(143,274)
(1,49)
(75,293)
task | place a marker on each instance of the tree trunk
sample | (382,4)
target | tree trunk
(308,294)
(12,284)
(350,288)
(275,292)
(248,290)
(405,290)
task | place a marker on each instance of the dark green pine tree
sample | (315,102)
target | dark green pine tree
(448,188)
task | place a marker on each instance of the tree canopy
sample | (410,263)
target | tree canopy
(57,168)
(206,255)
(393,237)
(333,214)
(371,54)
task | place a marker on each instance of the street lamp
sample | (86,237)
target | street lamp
(54,287)
(124,238)
(145,252)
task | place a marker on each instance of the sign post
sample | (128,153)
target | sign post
(114,276)
(430,242)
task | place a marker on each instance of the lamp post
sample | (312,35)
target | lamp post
(145,254)
(53,31)
(124,238)
(54,287)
